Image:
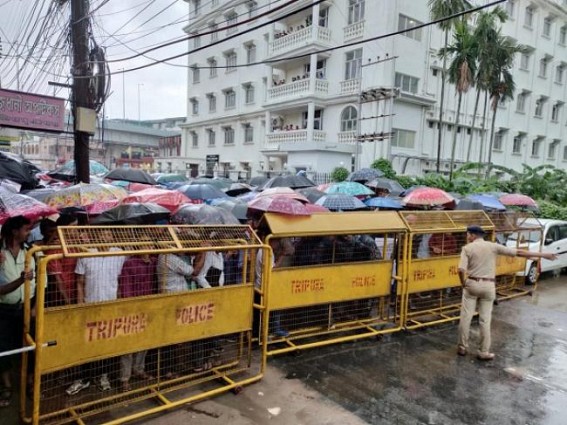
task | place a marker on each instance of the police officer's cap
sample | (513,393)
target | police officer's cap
(476,230)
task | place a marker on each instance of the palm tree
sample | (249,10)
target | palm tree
(463,53)
(439,9)
(487,25)
(501,84)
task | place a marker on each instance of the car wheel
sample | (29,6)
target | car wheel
(531,277)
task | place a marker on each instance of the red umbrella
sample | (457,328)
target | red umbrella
(102,206)
(279,204)
(427,197)
(170,199)
(314,208)
(517,200)
(285,192)
(13,204)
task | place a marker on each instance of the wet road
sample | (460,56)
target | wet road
(416,378)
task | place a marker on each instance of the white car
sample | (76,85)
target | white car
(548,236)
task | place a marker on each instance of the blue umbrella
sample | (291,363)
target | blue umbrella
(341,202)
(488,201)
(384,202)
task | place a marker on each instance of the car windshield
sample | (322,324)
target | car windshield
(526,235)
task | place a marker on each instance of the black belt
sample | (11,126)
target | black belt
(478,279)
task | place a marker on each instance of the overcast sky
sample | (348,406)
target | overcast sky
(124,28)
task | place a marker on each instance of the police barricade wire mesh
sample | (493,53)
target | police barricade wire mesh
(435,240)
(334,278)
(139,314)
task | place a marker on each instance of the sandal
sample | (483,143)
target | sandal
(5,397)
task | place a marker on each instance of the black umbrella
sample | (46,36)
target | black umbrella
(311,193)
(134,213)
(364,174)
(293,182)
(390,185)
(468,204)
(258,181)
(17,170)
(236,189)
(202,214)
(134,175)
(201,191)
(68,172)
(238,209)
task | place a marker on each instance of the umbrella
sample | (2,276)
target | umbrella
(384,202)
(294,182)
(349,188)
(100,207)
(279,204)
(236,189)
(469,204)
(258,181)
(170,199)
(237,208)
(40,194)
(17,170)
(67,171)
(517,200)
(411,189)
(13,204)
(314,208)
(201,191)
(487,201)
(390,185)
(340,202)
(364,174)
(286,192)
(82,194)
(427,197)
(219,184)
(202,214)
(311,193)
(133,213)
(247,197)
(170,178)
(134,175)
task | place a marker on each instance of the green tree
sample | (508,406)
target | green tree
(440,9)
(463,54)
(385,166)
(339,174)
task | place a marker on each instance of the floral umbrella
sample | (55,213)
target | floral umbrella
(349,188)
(202,214)
(279,204)
(428,197)
(341,202)
(83,194)
(517,200)
(170,199)
(13,204)
(314,208)
(286,192)
(100,207)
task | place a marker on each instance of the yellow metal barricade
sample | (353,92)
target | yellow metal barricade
(515,229)
(334,278)
(140,320)
(435,240)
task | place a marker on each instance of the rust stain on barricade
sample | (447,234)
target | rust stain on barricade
(195,313)
(116,327)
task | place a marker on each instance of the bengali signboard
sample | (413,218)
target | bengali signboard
(31,111)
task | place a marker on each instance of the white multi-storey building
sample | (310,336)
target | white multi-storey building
(299,108)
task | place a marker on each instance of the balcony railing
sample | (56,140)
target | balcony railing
(299,39)
(348,137)
(350,86)
(294,136)
(296,89)
(353,31)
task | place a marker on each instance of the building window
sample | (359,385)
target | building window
(248,133)
(510,8)
(535,147)
(248,93)
(196,7)
(553,149)
(498,141)
(353,64)
(546,31)
(194,139)
(196,74)
(543,67)
(212,102)
(521,102)
(317,119)
(232,19)
(228,135)
(324,17)
(196,41)
(214,34)
(230,61)
(563,35)
(250,53)
(539,107)
(403,139)
(405,23)
(525,61)
(565,153)
(194,106)
(517,144)
(252,6)
(355,11)
(555,110)
(406,83)
(559,71)
(211,137)
(212,62)
(215,3)
(529,17)
(229,99)
(349,119)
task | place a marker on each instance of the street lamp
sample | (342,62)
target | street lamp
(139,84)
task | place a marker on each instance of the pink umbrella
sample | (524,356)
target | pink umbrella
(279,204)
(170,199)
(518,200)
(285,192)
(314,208)
(13,204)
(100,207)
(427,197)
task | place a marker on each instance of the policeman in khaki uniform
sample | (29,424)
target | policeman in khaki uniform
(477,271)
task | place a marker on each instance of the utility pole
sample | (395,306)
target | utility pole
(80,95)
